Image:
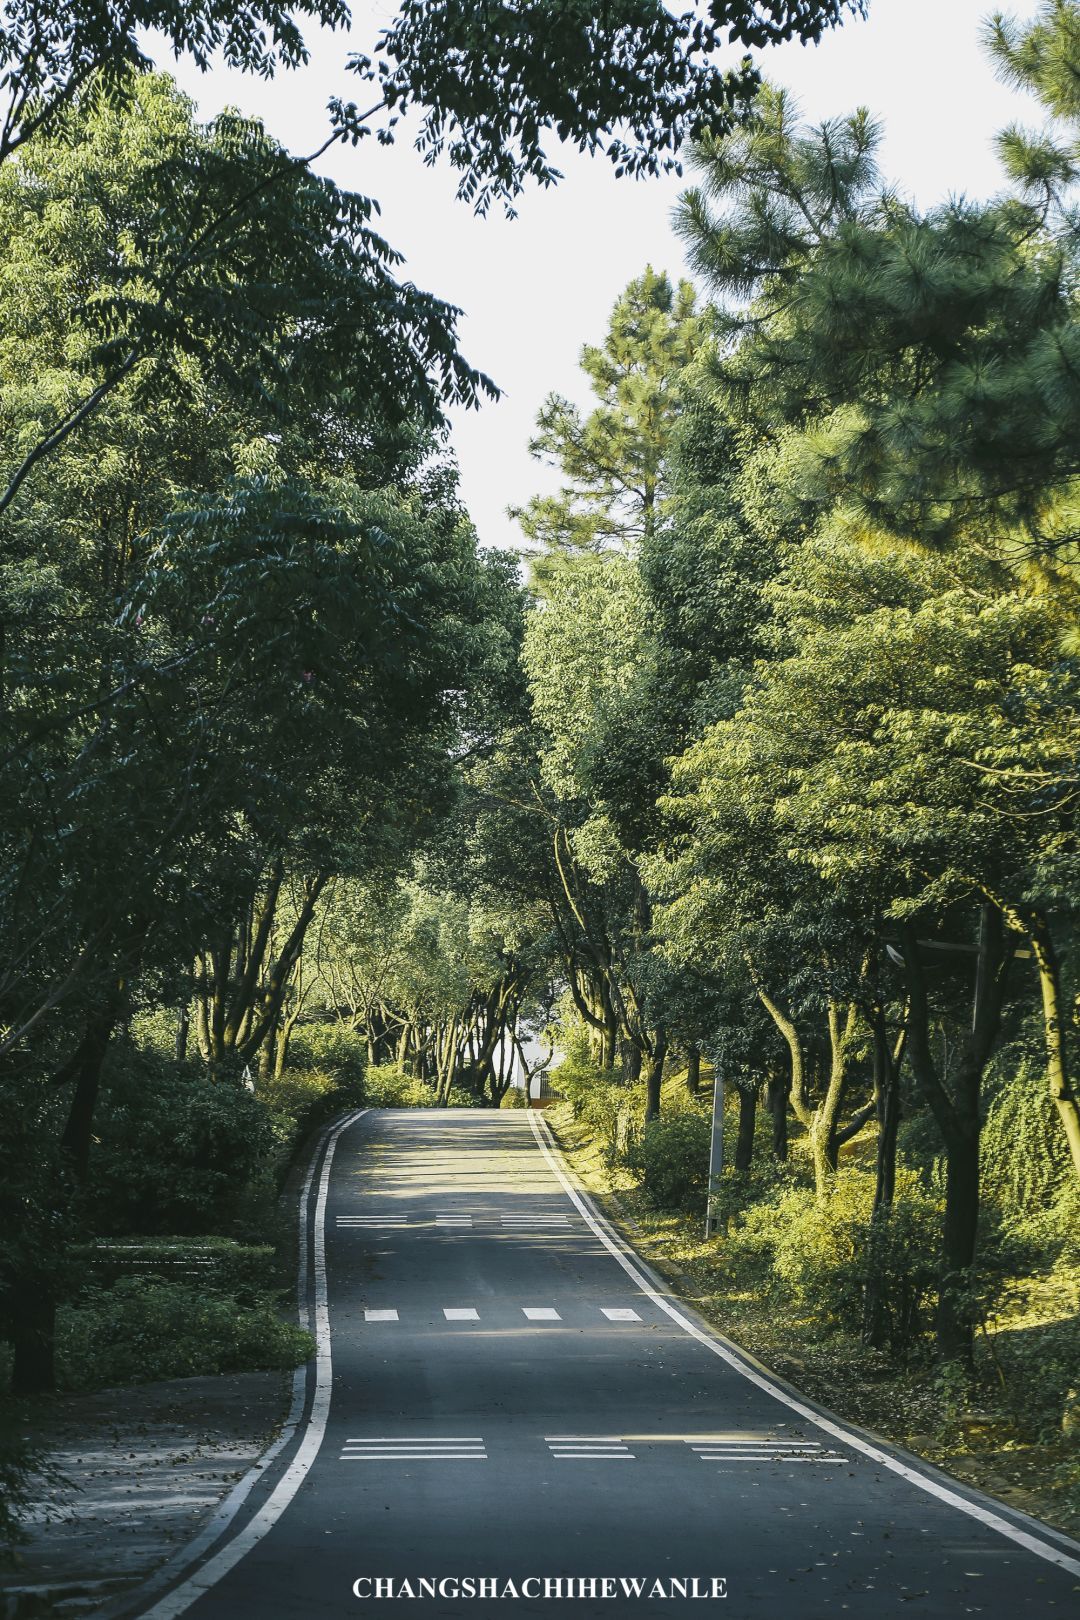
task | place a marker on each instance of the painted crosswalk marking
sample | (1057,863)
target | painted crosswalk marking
(550,1313)
(753,1448)
(536,1220)
(373,1220)
(589,1447)
(453,1220)
(452,1448)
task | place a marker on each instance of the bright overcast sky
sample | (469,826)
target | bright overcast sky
(534,289)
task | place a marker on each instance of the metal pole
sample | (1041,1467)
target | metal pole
(716,1151)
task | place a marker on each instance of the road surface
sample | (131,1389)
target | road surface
(505,1395)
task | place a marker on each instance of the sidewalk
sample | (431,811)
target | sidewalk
(145,1467)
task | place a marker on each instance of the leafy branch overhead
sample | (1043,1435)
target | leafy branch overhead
(631,79)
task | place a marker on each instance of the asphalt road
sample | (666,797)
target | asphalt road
(507,1404)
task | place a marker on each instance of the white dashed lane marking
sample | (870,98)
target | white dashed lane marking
(589,1447)
(753,1448)
(531,1313)
(446,1449)
(454,1220)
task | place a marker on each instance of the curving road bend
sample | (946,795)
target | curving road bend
(505,1395)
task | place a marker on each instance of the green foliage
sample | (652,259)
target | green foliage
(21,1468)
(824,1254)
(143,1328)
(673,1156)
(614,459)
(176,1151)
(387,1086)
(1025,1161)
(463,1097)
(633,80)
(246,1272)
(45,57)
(608,1108)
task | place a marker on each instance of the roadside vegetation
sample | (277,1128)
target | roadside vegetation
(790,1278)
(763,761)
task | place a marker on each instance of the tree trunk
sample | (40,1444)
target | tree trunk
(776,1101)
(33,1369)
(611,1036)
(267,1056)
(958,1117)
(183,1028)
(655,1074)
(875,1329)
(78,1132)
(1054,1032)
(744,1144)
(887,1101)
(959,1239)
(693,1071)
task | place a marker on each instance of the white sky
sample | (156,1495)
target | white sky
(534,289)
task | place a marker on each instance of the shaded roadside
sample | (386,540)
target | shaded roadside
(143,1469)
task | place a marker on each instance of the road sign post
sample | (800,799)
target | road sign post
(716,1153)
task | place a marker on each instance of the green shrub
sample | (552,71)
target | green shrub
(1024,1155)
(302,1099)
(388,1086)
(331,1048)
(463,1097)
(514,1098)
(826,1253)
(244,1271)
(174,1151)
(609,1110)
(143,1328)
(673,1155)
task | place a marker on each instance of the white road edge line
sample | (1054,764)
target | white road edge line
(993,1521)
(189,1591)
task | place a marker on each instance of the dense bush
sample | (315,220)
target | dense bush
(144,1328)
(332,1049)
(1025,1159)
(244,1271)
(610,1110)
(826,1253)
(673,1156)
(388,1086)
(175,1151)
(301,1099)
